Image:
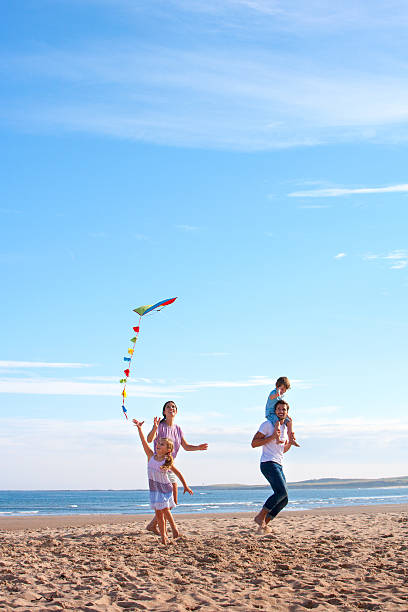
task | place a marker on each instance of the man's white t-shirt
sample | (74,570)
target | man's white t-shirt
(272,451)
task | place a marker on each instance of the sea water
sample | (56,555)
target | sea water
(204,500)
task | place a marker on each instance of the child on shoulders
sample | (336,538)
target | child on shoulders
(282,385)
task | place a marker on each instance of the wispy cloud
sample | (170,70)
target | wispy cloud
(336,192)
(259,99)
(214,354)
(17,365)
(95,433)
(313,206)
(340,256)
(187,228)
(50,386)
(397,260)
(285,14)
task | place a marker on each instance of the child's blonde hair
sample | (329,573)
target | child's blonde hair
(169,457)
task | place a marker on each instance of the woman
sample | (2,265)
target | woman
(166,428)
(269,438)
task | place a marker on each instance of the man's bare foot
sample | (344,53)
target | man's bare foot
(259,521)
(264,530)
(152,526)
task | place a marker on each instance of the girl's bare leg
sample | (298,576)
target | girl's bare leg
(169,517)
(162,525)
(152,526)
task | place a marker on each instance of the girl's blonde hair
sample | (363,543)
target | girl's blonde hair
(169,457)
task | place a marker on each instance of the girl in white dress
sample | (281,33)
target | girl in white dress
(161,490)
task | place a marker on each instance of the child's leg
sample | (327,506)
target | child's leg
(272,418)
(291,435)
(169,517)
(162,525)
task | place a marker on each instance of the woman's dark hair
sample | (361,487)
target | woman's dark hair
(164,407)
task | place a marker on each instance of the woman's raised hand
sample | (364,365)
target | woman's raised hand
(156,422)
(138,423)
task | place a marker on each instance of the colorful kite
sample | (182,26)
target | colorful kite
(141,311)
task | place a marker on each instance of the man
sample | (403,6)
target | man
(269,438)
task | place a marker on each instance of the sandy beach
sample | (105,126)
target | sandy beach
(338,559)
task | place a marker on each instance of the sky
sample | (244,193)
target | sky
(246,156)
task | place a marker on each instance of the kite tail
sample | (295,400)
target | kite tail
(128,361)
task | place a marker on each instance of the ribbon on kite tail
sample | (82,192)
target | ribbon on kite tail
(141,311)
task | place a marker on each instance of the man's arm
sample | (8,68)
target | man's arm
(260,439)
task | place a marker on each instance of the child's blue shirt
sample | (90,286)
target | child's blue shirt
(270,407)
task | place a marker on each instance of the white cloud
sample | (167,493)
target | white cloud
(11,365)
(313,206)
(259,99)
(340,255)
(285,14)
(215,354)
(397,259)
(337,191)
(50,453)
(187,228)
(48,386)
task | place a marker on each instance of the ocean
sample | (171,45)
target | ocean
(204,500)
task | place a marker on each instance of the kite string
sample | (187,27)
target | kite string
(131,357)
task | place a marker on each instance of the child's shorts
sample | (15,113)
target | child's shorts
(172,477)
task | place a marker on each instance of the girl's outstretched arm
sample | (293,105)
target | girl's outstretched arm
(152,434)
(193,447)
(145,445)
(181,479)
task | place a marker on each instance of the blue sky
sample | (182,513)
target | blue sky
(246,156)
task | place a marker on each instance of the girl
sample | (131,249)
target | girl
(161,493)
(166,428)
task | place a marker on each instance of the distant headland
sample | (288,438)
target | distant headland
(328,483)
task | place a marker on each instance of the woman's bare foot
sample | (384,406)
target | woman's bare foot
(176,533)
(152,526)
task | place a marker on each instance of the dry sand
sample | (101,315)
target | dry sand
(342,559)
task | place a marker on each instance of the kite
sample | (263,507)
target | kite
(141,311)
